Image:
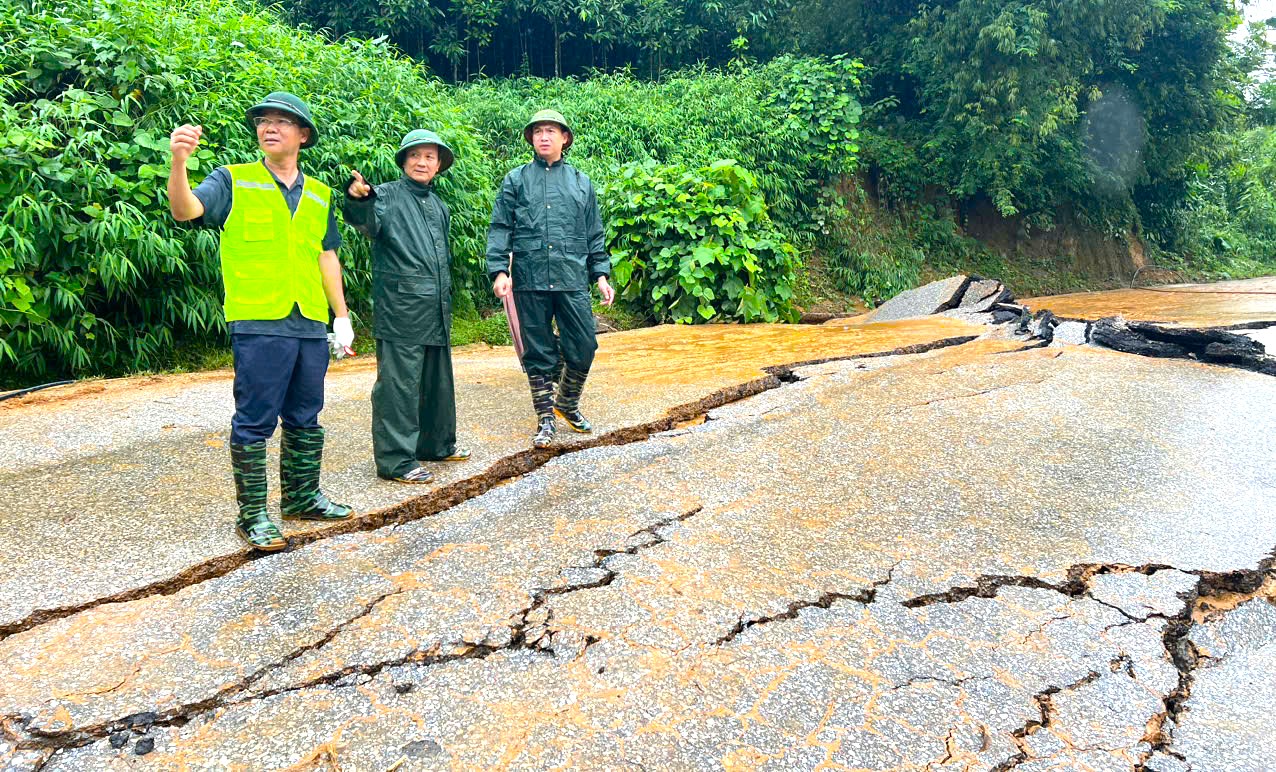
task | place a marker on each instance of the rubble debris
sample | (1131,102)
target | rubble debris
(1207,345)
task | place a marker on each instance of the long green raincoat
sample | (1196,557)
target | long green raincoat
(413,401)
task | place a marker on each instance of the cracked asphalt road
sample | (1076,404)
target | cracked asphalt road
(982,556)
(120,467)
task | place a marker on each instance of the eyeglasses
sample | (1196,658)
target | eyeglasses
(261,120)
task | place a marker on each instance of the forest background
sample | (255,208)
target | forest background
(756,159)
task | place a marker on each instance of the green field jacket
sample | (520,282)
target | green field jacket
(547,216)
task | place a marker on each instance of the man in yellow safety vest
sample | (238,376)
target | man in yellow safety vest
(279,243)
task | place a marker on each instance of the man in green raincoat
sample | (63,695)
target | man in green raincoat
(546,218)
(413,401)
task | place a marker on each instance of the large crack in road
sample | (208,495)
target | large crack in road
(531,630)
(1238,587)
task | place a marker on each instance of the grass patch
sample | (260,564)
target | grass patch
(493,330)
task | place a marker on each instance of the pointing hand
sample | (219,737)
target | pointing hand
(359,188)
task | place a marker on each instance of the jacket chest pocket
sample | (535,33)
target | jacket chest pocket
(524,245)
(574,246)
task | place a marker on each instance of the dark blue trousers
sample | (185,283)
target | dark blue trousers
(276,378)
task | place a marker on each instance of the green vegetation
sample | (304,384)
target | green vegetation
(698,242)
(748,162)
(95,277)
(550,38)
(492,329)
(792,122)
(1228,226)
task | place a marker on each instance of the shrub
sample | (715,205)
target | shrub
(698,244)
(1229,217)
(864,257)
(790,121)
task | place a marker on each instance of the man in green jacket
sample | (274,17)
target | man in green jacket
(413,401)
(279,264)
(546,218)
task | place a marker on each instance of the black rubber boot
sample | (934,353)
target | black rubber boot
(567,405)
(543,404)
(300,454)
(248,463)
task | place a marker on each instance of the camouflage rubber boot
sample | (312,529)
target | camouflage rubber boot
(300,453)
(543,404)
(248,462)
(557,375)
(567,405)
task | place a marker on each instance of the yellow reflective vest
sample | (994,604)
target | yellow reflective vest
(270,256)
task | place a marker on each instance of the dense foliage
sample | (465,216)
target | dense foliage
(688,242)
(1037,104)
(1136,115)
(792,121)
(550,38)
(1229,223)
(95,277)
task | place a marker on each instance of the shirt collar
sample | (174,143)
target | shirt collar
(541,162)
(301,178)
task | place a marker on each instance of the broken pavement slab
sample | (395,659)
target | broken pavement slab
(922,301)
(125,487)
(961,297)
(1162,593)
(1227,722)
(1208,345)
(982,294)
(553,616)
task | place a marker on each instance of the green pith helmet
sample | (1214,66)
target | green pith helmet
(424,137)
(285,103)
(548,116)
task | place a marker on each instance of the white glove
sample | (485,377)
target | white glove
(343,332)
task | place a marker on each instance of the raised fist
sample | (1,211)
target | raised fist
(183,141)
